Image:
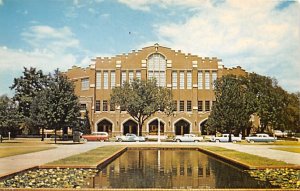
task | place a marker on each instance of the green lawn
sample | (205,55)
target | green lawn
(249,159)
(92,157)
(289,149)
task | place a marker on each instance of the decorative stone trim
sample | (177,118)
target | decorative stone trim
(195,63)
(195,85)
(169,85)
(118,64)
(92,85)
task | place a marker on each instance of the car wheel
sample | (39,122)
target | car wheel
(119,140)
(217,141)
(178,140)
(102,140)
(196,141)
(251,141)
(234,141)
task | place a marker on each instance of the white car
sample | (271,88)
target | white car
(225,138)
(279,133)
(187,138)
(260,137)
(129,137)
(155,137)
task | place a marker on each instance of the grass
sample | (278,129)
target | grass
(7,152)
(249,159)
(289,149)
(92,157)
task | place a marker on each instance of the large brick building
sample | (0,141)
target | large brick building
(190,78)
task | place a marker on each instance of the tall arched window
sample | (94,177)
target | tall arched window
(157,68)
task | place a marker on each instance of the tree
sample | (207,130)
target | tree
(141,99)
(291,115)
(9,117)
(231,110)
(57,105)
(85,125)
(26,88)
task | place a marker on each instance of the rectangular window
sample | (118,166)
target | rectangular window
(162,79)
(189,80)
(200,105)
(85,84)
(82,106)
(214,78)
(112,79)
(104,105)
(112,107)
(181,75)
(97,106)
(138,75)
(207,105)
(181,106)
(98,80)
(105,80)
(175,105)
(123,77)
(174,79)
(130,75)
(207,81)
(189,105)
(200,80)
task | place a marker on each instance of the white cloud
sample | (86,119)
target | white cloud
(1,2)
(252,34)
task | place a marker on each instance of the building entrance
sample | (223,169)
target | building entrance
(182,127)
(130,126)
(153,127)
(105,126)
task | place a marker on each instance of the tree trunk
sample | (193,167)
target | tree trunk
(140,129)
(55,135)
(43,133)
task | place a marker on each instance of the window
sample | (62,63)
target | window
(200,105)
(175,105)
(104,105)
(123,77)
(83,106)
(138,75)
(112,79)
(207,81)
(189,80)
(85,84)
(207,106)
(97,106)
(214,78)
(181,83)
(130,74)
(98,80)
(112,107)
(157,68)
(189,106)
(174,79)
(105,80)
(200,80)
(181,106)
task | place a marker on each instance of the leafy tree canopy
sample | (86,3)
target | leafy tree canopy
(141,99)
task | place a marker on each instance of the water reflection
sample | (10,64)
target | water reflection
(171,169)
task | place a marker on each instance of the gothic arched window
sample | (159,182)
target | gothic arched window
(157,68)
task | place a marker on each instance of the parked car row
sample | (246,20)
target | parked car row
(129,137)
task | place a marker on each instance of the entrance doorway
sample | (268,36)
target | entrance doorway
(153,127)
(182,127)
(130,126)
(105,126)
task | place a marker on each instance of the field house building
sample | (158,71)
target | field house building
(190,77)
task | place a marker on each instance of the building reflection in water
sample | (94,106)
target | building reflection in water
(171,169)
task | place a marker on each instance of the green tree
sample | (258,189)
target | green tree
(291,115)
(231,111)
(57,105)
(141,99)
(85,125)
(26,88)
(9,117)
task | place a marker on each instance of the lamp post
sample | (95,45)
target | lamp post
(158,139)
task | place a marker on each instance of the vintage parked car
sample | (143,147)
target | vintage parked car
(96,136)
(225,138)
(187,138)
(155,137)
(129,137)
(260,137)
(279,133)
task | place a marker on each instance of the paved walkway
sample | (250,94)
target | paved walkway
(19,162)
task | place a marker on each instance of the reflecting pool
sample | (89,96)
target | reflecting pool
(171,169)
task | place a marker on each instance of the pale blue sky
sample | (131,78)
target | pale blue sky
(261,36)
